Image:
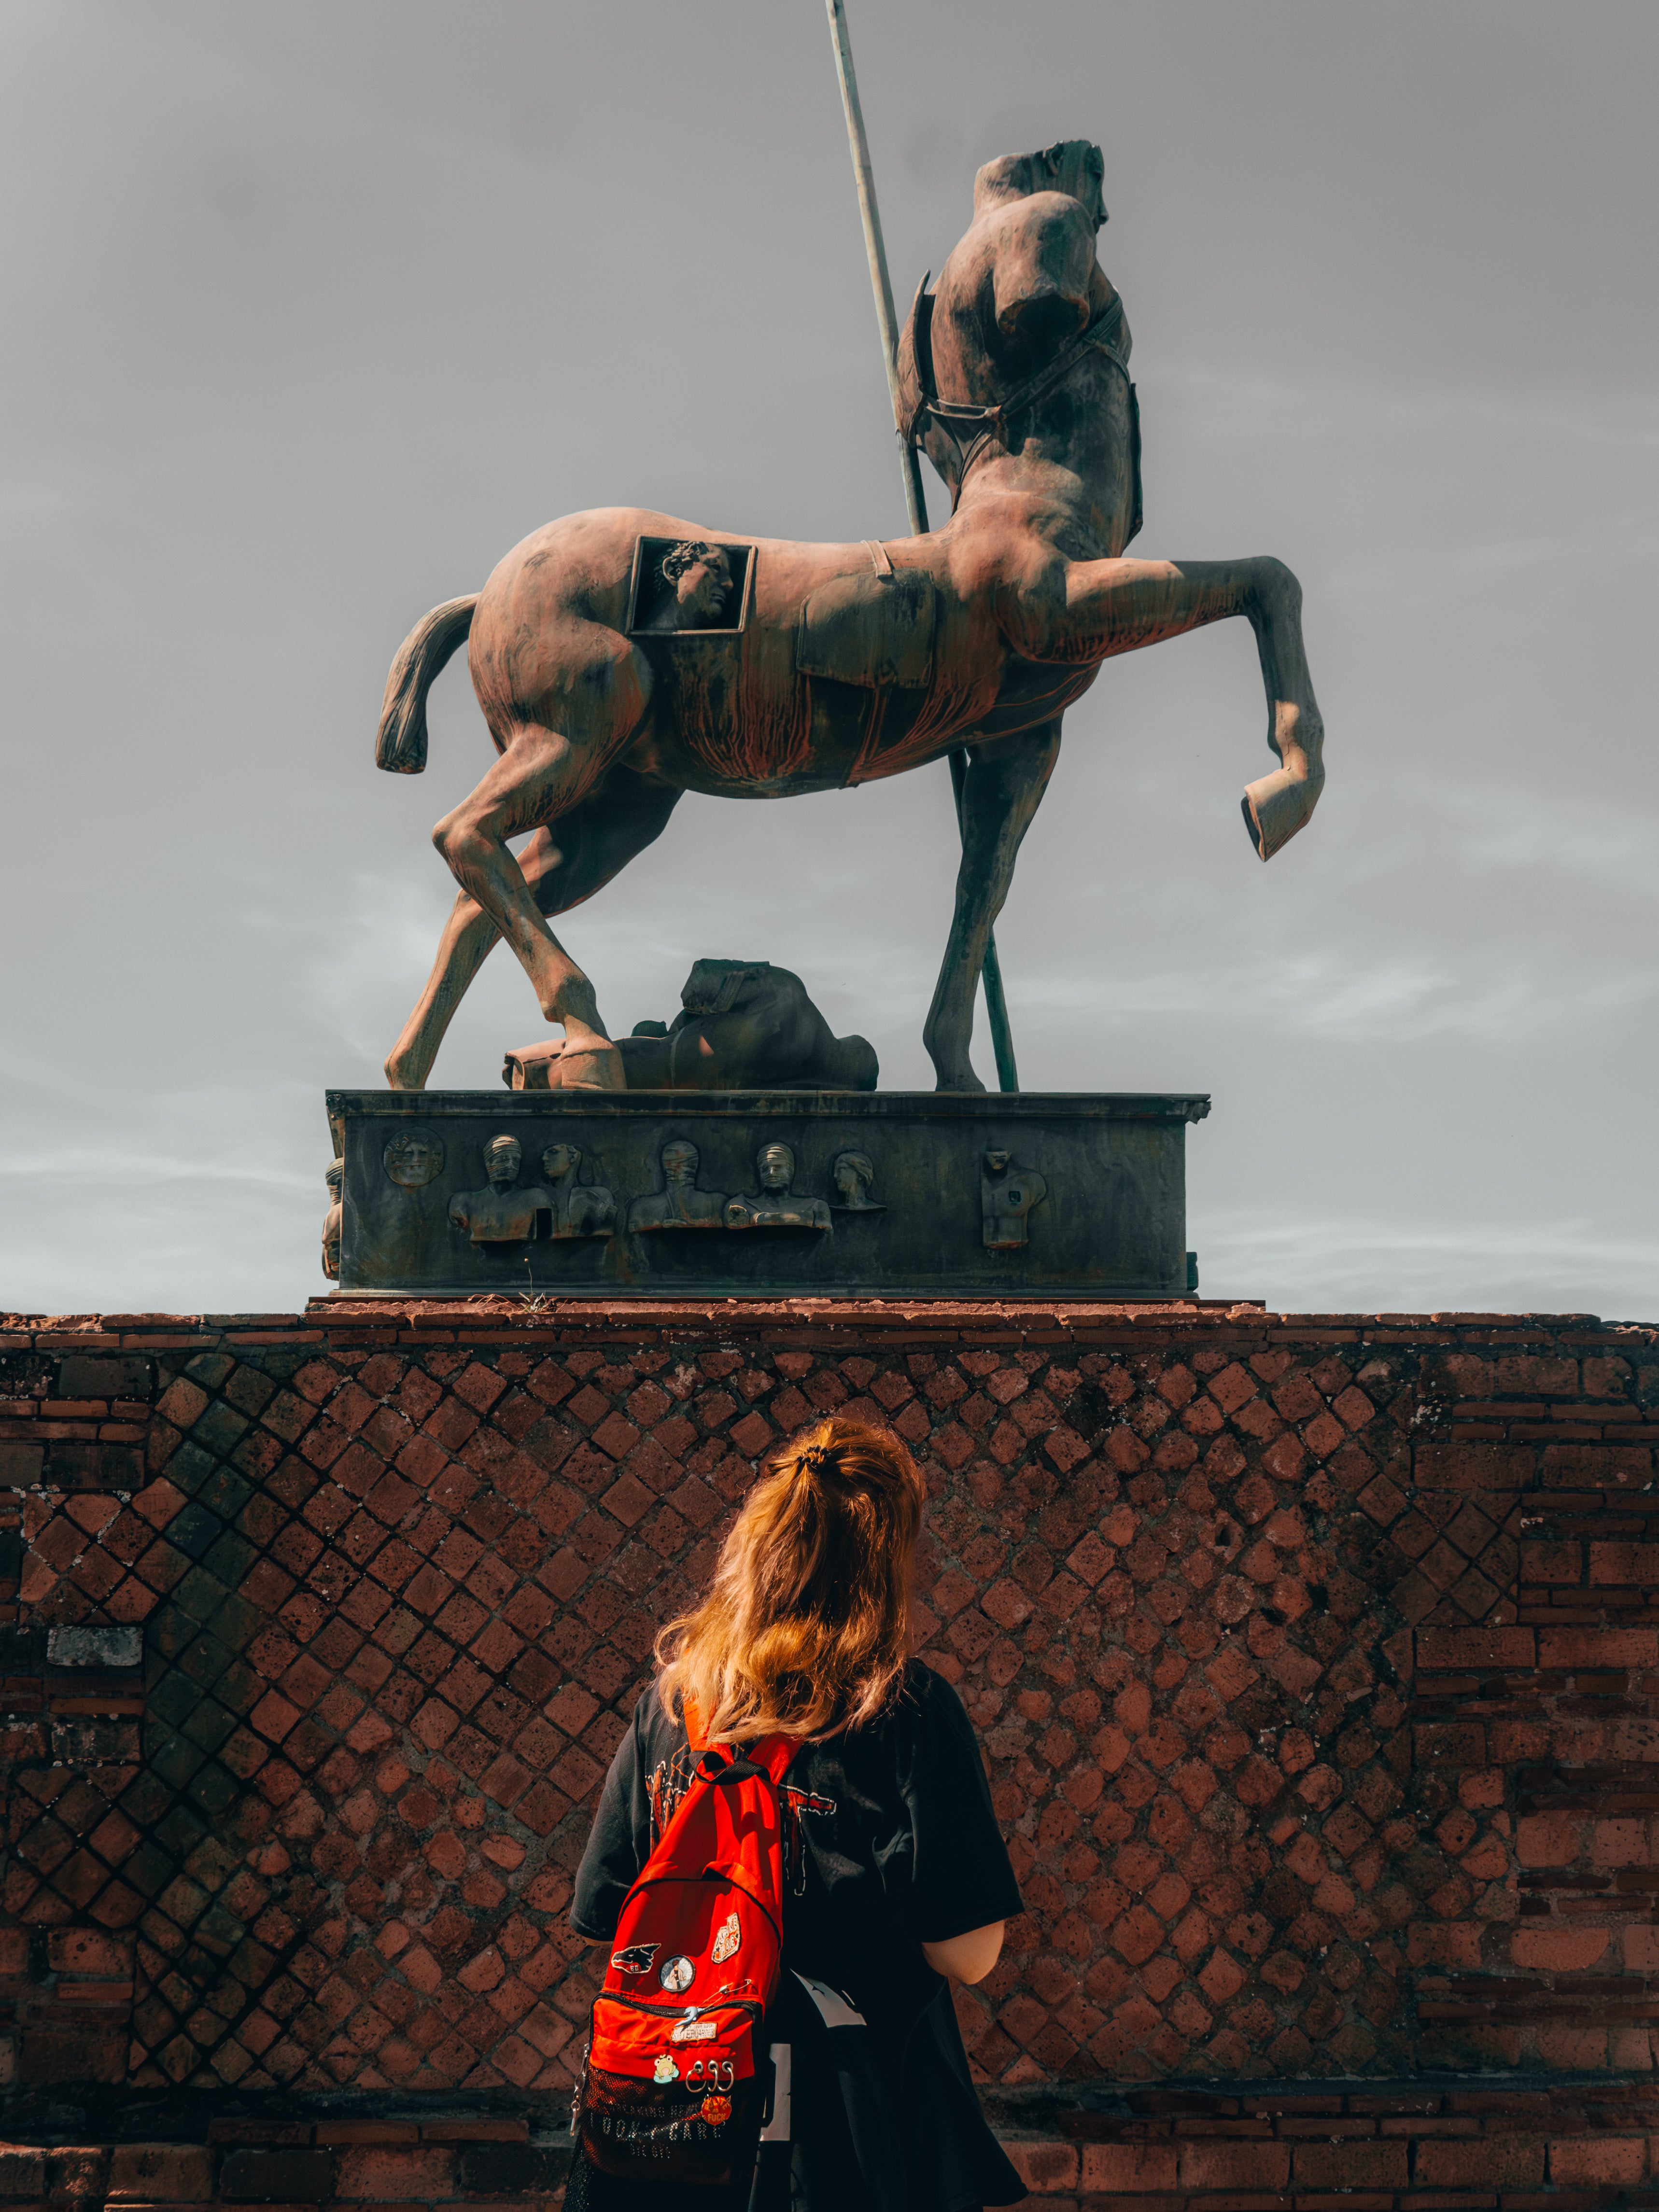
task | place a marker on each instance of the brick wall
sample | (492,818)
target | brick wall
(1315,1657)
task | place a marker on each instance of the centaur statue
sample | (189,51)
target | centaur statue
(622,657)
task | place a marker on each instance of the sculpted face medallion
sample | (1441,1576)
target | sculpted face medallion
(414,1158)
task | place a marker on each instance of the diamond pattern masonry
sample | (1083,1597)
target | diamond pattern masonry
(1301,1649)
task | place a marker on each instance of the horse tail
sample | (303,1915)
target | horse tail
(400,748)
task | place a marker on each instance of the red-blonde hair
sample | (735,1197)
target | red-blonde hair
(806,1625)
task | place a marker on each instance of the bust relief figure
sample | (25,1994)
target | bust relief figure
(502,1213)
(578,1209)
(853,1176)
(335,1178)
(775,1206)
(679,1204)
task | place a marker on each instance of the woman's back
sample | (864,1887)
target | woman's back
(889,1840)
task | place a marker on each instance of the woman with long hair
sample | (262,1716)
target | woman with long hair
(897,1880)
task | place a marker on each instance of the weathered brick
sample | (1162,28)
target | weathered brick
(1378,2165)
(1506,2161)
(1611,2162)
(1232,2166)
(160,2173)
(1132,2166)
(295,2176)
(1185,1638)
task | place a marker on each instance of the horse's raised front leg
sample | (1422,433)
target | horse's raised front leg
(1004,787)
(1107,607)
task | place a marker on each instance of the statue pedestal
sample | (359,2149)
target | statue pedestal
(756,1193)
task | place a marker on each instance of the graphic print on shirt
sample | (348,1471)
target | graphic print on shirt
(669,1780)
(795,1802)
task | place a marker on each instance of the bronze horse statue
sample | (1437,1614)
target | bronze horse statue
(621,658)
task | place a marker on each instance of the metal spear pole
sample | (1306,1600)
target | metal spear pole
(996,1006)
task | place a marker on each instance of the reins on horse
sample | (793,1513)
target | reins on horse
(990,422)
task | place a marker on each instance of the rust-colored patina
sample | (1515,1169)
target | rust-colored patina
(623,657)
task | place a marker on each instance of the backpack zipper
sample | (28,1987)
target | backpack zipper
(681,2012)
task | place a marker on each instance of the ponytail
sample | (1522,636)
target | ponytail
(806,1629)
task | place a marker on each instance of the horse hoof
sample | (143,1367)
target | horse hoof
(588,1067)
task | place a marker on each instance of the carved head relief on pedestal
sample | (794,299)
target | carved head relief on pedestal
(503,1157)
(853,1176)
(335,1178)
(775,1204)
(576,1209)
(501,1213)
(414,1157)
(679,1204)
(1007,1193)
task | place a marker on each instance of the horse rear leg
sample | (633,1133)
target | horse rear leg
(596,840)
(541,775)
(1004,787)
(469,938)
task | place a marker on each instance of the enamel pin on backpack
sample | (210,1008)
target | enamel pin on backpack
(671,2087)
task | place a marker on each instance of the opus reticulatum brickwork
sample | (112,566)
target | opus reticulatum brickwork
(1315,1658)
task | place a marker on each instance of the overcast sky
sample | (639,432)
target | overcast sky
(313,311)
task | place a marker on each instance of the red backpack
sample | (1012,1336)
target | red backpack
(670,2088)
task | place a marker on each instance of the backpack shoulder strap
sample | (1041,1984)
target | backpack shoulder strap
(771,1754)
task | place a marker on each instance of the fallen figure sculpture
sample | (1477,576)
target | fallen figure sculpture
(623,658)
(743,1025)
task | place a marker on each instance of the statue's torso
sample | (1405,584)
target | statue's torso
(853,662)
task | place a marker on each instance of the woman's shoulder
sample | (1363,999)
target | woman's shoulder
(656,1729)
(926,1707)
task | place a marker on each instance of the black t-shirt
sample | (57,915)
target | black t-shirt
(889,1842)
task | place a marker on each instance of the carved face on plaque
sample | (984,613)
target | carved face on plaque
(701,576)
(679,1162)
(853,1174)
(502,1157)
(560,1160)
(775,1165)
(414,1157)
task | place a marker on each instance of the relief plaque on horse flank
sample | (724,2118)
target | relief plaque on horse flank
(689,585)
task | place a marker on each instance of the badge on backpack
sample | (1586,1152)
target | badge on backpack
(636,1960)
(675,1974)
(717,2111)
(664,2070)
(727,1940)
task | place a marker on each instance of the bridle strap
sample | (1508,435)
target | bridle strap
(989,423)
